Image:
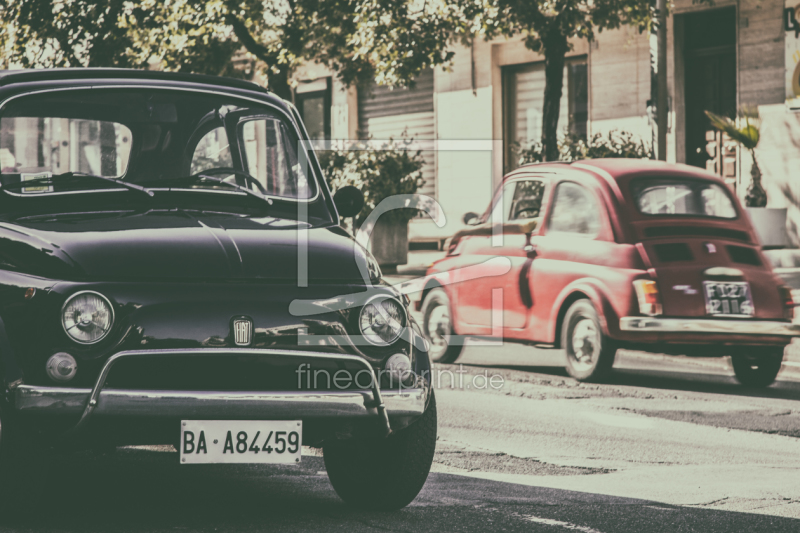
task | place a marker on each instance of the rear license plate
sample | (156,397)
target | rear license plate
(728,298)
(241,441)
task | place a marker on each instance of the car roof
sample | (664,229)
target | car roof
(615,174)
(618,168)
(8,77)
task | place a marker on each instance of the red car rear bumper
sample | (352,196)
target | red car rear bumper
(706,331)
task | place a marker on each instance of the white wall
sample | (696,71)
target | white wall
(464,177)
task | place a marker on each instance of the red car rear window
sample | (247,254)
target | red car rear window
(682,197)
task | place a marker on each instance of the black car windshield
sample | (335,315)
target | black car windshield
(149,138)
(682,197)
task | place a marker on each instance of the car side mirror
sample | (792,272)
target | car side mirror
(523,227)
(470,219)
(349,201)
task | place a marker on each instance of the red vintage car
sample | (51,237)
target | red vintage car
(599,255)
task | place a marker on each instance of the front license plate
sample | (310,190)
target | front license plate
(728,298)
(241,441)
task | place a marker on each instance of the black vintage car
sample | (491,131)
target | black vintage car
(173,271)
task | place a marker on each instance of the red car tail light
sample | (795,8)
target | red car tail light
(649,297)
(787,299)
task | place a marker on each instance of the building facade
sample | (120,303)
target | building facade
(720,58)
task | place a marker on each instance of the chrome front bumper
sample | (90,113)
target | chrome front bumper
(709,325)
(216,404)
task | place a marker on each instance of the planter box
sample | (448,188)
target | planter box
(389,244)
(770,224)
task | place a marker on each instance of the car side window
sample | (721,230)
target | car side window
(271,157)
(527,200)
(575,210)
(502,206)
(212,151)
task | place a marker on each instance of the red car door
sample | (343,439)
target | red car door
(490,304)
(575,243)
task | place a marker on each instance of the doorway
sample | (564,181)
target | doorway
(710,85)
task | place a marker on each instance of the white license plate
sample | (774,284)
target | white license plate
(728,298)
(241,441)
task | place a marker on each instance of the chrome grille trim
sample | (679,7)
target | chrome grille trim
(95,394)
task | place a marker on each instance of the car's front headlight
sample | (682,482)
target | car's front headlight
(87,317)
(382,320)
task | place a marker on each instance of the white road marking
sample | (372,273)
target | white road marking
(559,523)
(620,421)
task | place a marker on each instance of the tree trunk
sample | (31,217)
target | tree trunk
(555,48)
(279,83)
(661,74)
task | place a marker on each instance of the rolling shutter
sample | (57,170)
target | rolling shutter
(385,113)
(529,102)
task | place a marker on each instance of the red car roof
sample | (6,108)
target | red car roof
(618,168)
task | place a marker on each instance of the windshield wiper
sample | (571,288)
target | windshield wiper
(204,175)
(123,183)
(51,179)
(242,188)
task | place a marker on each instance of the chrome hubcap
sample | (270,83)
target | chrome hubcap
(585,344)
(438,327)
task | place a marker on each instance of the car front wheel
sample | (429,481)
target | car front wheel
(590,353)
(758,367)
(437,325)
(387,473)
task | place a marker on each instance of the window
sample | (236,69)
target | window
(502,205)
(271,157)
(523,102)
(520,200)
(527,201)
(575,210)
(213,151)
(313,100)
(34,146)
(154,138)
(682,197)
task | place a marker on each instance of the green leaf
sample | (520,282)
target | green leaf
(747,132)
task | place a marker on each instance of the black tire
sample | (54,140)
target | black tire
(383,474)
(24,466)
(757,367)
(592,360)
(436,314)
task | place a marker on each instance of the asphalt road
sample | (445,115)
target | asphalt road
(665,445)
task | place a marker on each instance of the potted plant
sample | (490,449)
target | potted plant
(379,172)
(571,147)
(745,131)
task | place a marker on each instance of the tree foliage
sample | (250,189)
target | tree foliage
(361,40)
(393,168)
(389,41)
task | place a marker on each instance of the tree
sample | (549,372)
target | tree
(361,40)
(389,41)
(548,26)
